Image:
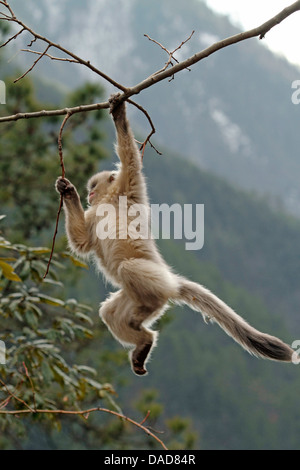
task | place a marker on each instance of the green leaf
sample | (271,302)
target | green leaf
(8,272)
(80,264)
(94,384)
(75,261)
(47,372)
(31,319)
(51,300)
(66,378)
(39,250)
(18,315)
(84,331)
(84,317)
(85,307)
(37,310)
(23,249)
(53,282)
(87,369)
(57,264)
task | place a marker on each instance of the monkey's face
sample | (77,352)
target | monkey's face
(99,185)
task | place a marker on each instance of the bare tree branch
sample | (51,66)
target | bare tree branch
(154,78)
(36,36)
(85,413)
(56,112)
(260,32)
(170,53)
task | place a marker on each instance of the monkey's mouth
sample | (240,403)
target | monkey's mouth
(91,195)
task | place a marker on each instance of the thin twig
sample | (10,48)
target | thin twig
(51,56)
(13,37)
(60,151)
(31,384)
(158,43)
(31,42)
(6,401)
(6,4)
(33,65)
(54,236)
(146,417)
(143,145)
(6,17)
(10,393)
(183,42)
(170,53)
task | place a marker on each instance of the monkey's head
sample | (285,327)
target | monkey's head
(99,184)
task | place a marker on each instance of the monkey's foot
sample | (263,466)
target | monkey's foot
(139,357)
(138,369)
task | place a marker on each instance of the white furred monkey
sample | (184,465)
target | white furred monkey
(146,283)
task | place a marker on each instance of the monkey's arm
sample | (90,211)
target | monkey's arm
(130,176)
(76,227)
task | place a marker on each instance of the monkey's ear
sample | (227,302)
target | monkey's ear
(111,178)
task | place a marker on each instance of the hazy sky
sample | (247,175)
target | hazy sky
(284,38)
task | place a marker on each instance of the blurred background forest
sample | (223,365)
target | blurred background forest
(230,140)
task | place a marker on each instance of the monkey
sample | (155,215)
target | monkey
(145,283)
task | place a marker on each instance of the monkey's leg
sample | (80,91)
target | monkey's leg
(116,313)
(149,285)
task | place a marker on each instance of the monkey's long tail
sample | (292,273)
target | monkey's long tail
(259,344)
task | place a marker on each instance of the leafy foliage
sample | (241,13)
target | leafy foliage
(36,325)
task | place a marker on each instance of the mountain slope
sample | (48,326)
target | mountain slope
(252,245)
(235,401)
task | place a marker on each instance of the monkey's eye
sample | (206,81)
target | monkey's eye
(111,178)
(93,185)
